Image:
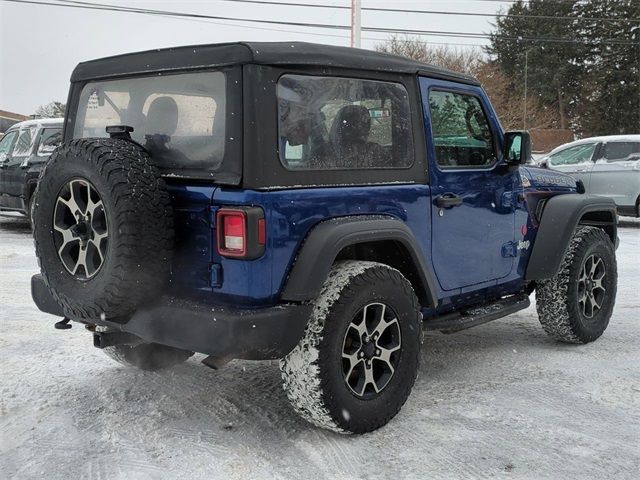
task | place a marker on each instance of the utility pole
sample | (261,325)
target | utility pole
(526,68)
(356,24)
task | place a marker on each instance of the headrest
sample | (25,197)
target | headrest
(352,124)
(162,116)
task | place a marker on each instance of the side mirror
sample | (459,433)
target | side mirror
(517,148)
(3,157)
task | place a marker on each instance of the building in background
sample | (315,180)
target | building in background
(9,118)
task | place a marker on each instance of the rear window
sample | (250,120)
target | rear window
(343,123)
(180,119)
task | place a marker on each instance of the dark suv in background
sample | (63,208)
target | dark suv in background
(24,149)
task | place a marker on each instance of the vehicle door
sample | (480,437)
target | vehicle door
(615,173)
(473,195)
(576,161)
(14,171)
(6,146)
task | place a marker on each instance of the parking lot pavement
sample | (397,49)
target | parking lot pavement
(498,400)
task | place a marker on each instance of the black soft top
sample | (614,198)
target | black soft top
(263,53)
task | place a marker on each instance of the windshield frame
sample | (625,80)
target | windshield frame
(229,171)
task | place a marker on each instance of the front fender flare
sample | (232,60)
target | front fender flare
(560,217)
(329,238)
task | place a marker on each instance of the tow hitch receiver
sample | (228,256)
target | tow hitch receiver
(109,339)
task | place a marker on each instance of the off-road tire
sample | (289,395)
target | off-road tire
(312,373)
(146,356)
(557,299)
(139,217)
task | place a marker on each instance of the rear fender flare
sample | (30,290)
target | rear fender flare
(327,239)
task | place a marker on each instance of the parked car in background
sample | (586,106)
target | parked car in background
(24,149)
(608,166)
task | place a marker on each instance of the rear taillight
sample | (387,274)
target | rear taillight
(241,232)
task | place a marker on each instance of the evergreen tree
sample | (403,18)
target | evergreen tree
(522,47)
(610,101)
(585,69)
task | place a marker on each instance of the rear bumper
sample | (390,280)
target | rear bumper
(255,334)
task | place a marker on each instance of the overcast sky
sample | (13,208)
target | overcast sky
(40,45)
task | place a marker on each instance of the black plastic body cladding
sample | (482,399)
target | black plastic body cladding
(560,217)
(326,240)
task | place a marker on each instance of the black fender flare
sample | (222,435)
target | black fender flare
(327,239)
(560,217)
(30,182)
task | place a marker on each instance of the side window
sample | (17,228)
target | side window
(620,151)
(24,142)
(49,140)
(573,155)
(343,123)
(461,133)
(5,144)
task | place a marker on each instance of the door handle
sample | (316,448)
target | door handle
(448,200)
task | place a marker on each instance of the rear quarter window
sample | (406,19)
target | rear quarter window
(333,123)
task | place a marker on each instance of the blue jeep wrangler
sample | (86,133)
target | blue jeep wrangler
(315,204)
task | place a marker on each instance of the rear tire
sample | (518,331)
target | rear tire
(357,363)
(575,306)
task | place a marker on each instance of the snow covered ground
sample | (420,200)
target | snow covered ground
(498,400)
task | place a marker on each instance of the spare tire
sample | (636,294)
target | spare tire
(103,228)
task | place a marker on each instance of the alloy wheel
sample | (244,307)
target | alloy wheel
(591,289)
(371,350)
(80,228)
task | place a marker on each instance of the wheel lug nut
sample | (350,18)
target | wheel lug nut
(378,352)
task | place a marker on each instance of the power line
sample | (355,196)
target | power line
(109,7)
(431,12)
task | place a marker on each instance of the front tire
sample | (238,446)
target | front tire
(575,306)
(357,363)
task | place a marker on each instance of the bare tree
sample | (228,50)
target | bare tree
(500,88)
(51,110)
(510,104)
(457,59)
